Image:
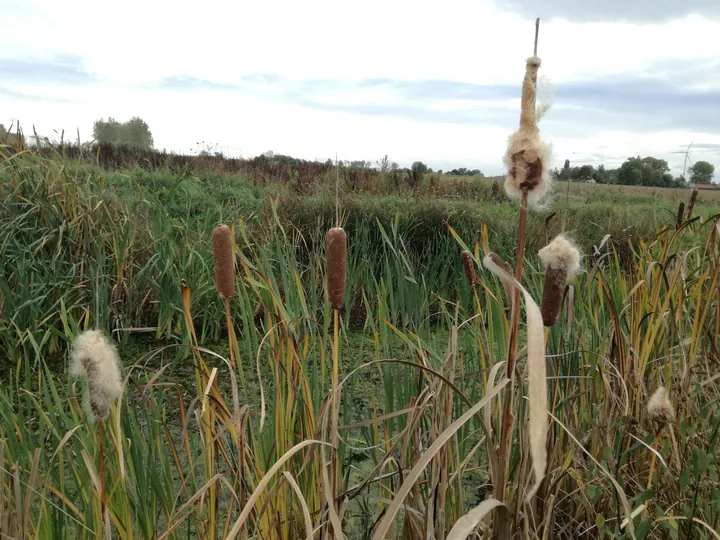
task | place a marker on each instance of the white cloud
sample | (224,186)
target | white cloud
(132,46)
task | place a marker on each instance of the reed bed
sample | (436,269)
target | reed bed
(473,413)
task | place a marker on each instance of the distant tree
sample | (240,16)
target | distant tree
(3,131)
(702,172)
(135,132)
(417,170)
(648,171)
(585,172)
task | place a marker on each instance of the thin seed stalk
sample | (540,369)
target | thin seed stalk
(228,322)
(335,404)
(103,496)
(507,416)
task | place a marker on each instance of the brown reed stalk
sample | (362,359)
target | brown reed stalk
(691,203)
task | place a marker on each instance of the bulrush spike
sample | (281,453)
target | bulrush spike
(224,262)
(95,358)
(680,215)
(469,268)
(691,203)
(561,260)
(336,261)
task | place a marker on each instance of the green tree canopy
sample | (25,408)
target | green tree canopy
(135,132)
(702,172)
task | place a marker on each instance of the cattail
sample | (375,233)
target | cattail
(691,203)
(224,261)
(660,410)
(336,260)
(680,214)
(527,156)
(561,260)
(507,268)
(94,358)
(469,268)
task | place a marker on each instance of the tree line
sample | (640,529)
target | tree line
(637,171)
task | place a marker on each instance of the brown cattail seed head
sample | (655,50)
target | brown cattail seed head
(224,261)
(336,260)
(691,203)
(561,260)
(469,267)
(660,410)
(680,214)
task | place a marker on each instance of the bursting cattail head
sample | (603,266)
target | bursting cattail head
(469,268)
(561,260)
(691,203)
(660,410)
(527,156)
(336,261)
(224,261)
(94,358)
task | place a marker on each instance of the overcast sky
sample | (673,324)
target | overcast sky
(414,79)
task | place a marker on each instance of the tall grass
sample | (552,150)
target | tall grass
(200,449)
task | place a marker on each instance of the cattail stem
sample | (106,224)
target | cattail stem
(691,203)
(507,420)
(652,461)
(228,322)
(335,403)
(101,468)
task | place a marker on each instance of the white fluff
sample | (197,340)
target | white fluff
(561,253)
(94,358)
(659,407)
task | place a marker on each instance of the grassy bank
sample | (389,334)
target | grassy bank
(242,439)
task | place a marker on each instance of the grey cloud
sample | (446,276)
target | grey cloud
(65,70)
(631,103)
(640,11)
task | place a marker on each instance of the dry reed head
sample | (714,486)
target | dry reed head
(336,261)
(561,260)
(224,261)
(95,358)
(691,203)
(660,410)
(527,156)
(505,266)
(469,268)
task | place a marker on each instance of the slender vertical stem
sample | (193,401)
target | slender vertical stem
(507,416)
(228,322)
(103,499)
(335,404)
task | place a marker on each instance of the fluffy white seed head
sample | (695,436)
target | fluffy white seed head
(660,410)
(94,358)
(561,253)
